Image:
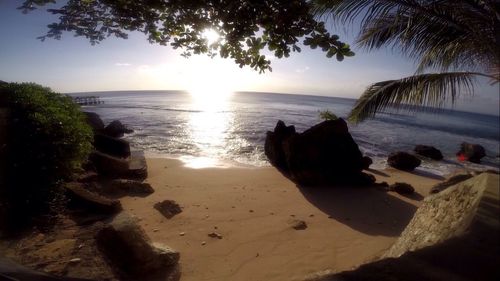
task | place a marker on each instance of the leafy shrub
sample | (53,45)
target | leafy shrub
(327,115)
(48,140)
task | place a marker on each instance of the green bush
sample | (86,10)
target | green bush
(48,140)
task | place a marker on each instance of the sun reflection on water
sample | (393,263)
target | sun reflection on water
(209,127)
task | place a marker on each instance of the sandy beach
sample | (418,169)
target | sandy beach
(252,208)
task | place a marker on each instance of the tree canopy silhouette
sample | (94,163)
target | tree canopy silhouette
(246,27)
(459,39)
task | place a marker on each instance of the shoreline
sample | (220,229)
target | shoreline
(252,209)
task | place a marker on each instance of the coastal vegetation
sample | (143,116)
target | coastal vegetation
(48,141)
(453,42)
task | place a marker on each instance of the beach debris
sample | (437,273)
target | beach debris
(127,246)
(450,182)
(182,233)
(403,161)
(471,152)
(129,187)
(203,243)
(323,154)
(168,208)
(155,230)
(215,235)
(298,224)
(251,211)
(402,188)
(116,129)
(428,151)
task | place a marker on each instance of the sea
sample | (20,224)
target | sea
(230,130)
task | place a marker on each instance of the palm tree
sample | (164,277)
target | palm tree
(458,39)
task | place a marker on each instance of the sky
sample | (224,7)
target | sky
(72,64)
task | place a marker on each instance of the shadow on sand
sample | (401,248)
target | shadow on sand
(365,209)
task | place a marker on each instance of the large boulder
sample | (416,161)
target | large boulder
(95,121)
(108,165)
(116,129)
(471,152)
(403,161)
(428,151)
(127,246)
(81,198)
(112,146)
(129,187)
(274,144)
(324,154)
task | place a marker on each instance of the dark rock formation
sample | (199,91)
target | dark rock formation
(95,121)
(324,154)
(471,152)
(367,161)
(108,165)
(168,208)
(116,129)
(82,198)
(403,161)
(129,187)
(112,146)
(428,151)
(274,144)
(128,247)
(402,188)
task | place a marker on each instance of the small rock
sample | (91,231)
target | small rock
(203,243)
(403,161)
(75,260)
(182,233)
(215,235)
(402,188)
(155,230)
(168,208)
(251,211)
(298,224)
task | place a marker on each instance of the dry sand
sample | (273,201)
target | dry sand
(252,208)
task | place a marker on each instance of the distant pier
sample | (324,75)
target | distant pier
(88,100)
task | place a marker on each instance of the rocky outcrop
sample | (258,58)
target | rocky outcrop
(108,165)
(127,246)
(94,121)
(428,151)
(80,197)
(111,146)
(403,161)
(116,129)
(471,152)
(324,154)
(134,167)
(168,208)
(128,187)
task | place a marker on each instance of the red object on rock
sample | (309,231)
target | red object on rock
(461,157)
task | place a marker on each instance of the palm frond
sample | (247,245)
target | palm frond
(434,90)
(439,34)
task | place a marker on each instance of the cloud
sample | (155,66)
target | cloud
(122,64)
(302,70)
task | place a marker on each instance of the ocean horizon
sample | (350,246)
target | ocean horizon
(230,130)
